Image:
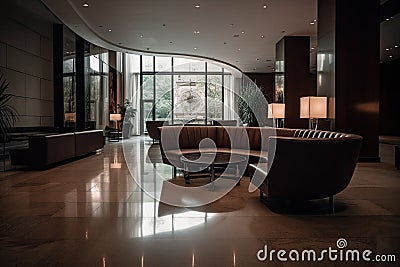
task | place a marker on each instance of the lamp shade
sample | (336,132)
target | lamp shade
(70,116)
(276,110)
(115,117)
(313,107)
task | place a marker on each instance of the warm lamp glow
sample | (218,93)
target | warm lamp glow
(115,117)
(71,117)
(313,107)
(276,110)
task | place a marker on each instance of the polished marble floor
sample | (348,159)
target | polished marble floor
(92,212)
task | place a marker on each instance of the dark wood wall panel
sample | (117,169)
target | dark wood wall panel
(299,81)
(357,72)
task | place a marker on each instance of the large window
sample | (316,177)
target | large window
(178,90)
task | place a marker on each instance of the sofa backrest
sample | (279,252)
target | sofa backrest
(174,137)
(315,164)
(48,149)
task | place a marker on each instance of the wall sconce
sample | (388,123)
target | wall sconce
(313,108)
(277,112)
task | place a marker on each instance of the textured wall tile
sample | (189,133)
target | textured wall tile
(34,107)
(32,87)
(46,90)
(46,48)
(28,121)
(19,104)
(32,42)
(3,55)
(17,82)
(12,33)
(46,121)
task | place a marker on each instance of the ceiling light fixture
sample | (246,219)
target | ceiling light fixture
(395,46)
(109,30)
(312,23)
(196,32)
(195,48)
(242,32)
(390,56)
(262,36)
(85,5)
(197,6)
(387,49)
(141,35)
(238,49)
(264,6)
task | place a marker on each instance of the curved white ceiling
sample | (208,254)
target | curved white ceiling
(237,32)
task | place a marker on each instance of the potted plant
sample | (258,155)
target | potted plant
(8,114)
(128,113)
(251,106)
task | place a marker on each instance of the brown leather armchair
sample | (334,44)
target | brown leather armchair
(152,129)
(309,166)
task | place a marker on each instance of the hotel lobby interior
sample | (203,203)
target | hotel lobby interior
(302,95)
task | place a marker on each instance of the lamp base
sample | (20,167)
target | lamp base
(313,123)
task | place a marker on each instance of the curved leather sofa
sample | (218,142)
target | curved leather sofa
(308,165)
(291,163)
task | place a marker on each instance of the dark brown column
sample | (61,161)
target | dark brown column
(348,67)
(294,51)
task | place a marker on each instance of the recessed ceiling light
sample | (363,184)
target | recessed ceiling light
(264,6)
(312,22)
(242,32)
(109,30)
(262,36)
(395,46)
(387,19)
(312,48)
(315,20)
(195,48)
(141,35)
(238,49)
(390,56)
(387,49)
(85,5)
(196,6)
(196,32)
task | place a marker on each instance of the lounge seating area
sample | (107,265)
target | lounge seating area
(284,163)
(200,133)
(44,150)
